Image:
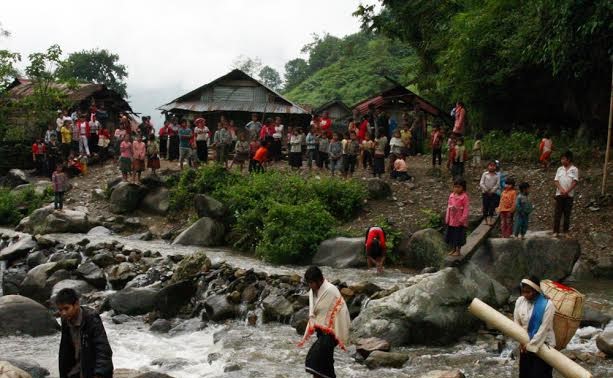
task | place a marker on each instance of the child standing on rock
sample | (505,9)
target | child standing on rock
(456,217)
(489,184)
(60,181)
(523,208)
(506,208)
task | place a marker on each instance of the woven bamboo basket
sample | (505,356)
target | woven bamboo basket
(569,310)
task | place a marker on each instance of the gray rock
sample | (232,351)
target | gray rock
(58,276)
(21,315)
(207,206)
(153,374)
(18,249)
(13,278)
(160,326)
(594,318)
(30,367)
(582,271)
(92,274)
(425,248)
(604,265)
(510,260)
(81,287)
(191,265)
(35,284)
(432,311)
(444,374)
(14,178)
(45,241)
(39,187)
(378,189)
(604,342)
(112,184)
(206,232)
(170,363)
(103,259)
(157,201)
(121,318)
(36,258)
(169,301)
(379,359)
(300,319)
(99,231)
(133,301)
(126,197)
(65,255)
(119,275)
(46,220)
(218,308)
(341,252)
(368,345)
(152,276)
(276,308)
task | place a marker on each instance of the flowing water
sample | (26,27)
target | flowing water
(268,350)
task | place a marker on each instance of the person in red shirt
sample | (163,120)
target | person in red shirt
(261,156)
(363,129)
(163,138)
(375,248)
(326,123)
(38,156)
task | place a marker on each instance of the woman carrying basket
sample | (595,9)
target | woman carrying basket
(535,313)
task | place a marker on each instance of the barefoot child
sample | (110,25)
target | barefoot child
(59,180)
(253,148)
(456,217)
(489,184)
(125,159)
(241,152)
(139,150)
(545,149)
(506,208)
(261,157)
(153,154)
(523,208)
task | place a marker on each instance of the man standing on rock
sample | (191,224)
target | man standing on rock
(84,348)
(566,180)
(329,318)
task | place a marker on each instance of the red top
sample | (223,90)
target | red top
(363,129)
(260,154)
(378,233)
(39,149)
(325,123)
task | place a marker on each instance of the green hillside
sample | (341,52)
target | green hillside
(358,72)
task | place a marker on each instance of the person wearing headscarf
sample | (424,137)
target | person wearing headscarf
(535,313)
(329,319)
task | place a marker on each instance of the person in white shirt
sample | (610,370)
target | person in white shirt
(535,313)
(202,137)
(566,180)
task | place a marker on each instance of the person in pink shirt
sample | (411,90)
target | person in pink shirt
(139,151)
(459,125)
(125,157)
(456,217)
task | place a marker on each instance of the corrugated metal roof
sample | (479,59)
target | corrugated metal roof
(234,106)
(281,106)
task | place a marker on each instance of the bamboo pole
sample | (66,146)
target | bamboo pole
(564,365)
(606,154)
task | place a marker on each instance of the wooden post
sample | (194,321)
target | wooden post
(606,155)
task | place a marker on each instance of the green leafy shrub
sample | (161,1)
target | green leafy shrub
(291,233)
(393,237)
(431,219)
(15,205)
(341,198)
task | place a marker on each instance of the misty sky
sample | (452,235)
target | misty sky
(171,47)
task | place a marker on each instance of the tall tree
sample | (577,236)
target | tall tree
(270,77)
(96,66)
(250,66)
(296,71)
(8,60)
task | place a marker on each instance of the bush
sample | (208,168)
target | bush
(205,179)
(291,233)
(16,205)
(341,198)
(393,237)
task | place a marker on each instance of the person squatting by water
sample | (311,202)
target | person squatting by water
(535,314)
(329,319)
(85,351)
(375,248)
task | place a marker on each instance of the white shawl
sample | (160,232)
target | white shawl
(328,312)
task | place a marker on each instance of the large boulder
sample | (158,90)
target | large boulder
(341,252)
(11,282)
(378,189)
(379,359)
(423,249)
(218,308)
(133,301)
(509,260)
(30,367)
(21,315)
(157,201)
(18,249)
(119,275)
(366,346)
(8,370)
(99,231)
(206,232)
(14,178)
(277,308)
(433,310)
(92,274)
(36,258)
(126,197)
(604,265)
(604,342)
(103,259)
(39,187)
(191,265)
(81,287)
(169,301)
(207,206)
(46,220)
(36,285)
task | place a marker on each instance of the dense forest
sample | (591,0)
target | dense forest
(516,64)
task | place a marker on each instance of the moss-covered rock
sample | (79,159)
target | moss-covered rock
(192,265)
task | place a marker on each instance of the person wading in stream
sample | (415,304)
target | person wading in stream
(375,248)
(85,351)
(535,314)
(329,318)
